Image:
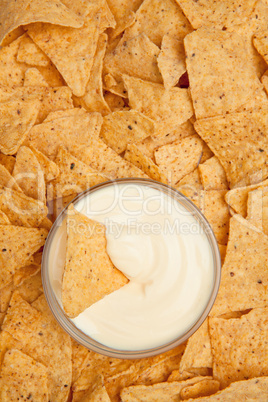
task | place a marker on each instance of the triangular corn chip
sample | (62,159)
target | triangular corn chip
(31,54)
(16,13)
(17,369)
(220,78)
(157,18)
(124,14)
(122,128)
(29,174)
(68,131)
(212,175)
(17,117)
(171,61)
(70,49)
(50,169)
(20,209)
(33,78)
(260,41)
(75,176)
(93,100)
(17,244)
(168,108)
(210,13)
(237,140)
(243,273)
(89,274)
(8,162)
(6,180)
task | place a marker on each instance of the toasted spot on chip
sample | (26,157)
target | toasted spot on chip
(89,274)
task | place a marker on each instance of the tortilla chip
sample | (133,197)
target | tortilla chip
(157,18)
(27,11)
(212,175)
(23,273)
(198,350)
(122,128)
(124,14)
(59,114)
(171,61)
(239,347)
(117,88)
(103,159)
(20,209)
(4,219)
(254,209)
(97,394)
(31,287)
(168,108)
(70,49)
(242,273)
(256,23)
(22,377)
(33,78)
(217,66)
(29,174)
(93,100)
(17,245)
(17,118)
(237,197)
(190,185)
(237,140)
(255,389)
(158,392)
(114,102)
(8,162)
(75,176)
(6,180)
(260,41)
(31,54)
(11,71)
(86,252)
(12,36)
(136,57)
(202,388)
(51,75)
(208,12)
(135,155)
(80,358)
(264,80)
(5,296)
(50,169)
(69,131)
(180,158)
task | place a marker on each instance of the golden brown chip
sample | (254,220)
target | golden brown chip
(8,162)
(237,140)
(212,175)
(68,131)
(22,377)
(210,13)
(70,49)
(243,281)
(171,61)
(168,108)
(74,177)
(217,66)
(17,245)
(31,54)
(198,350)
(93,100)
(260,41)
(180,158)
(51,11)
(33,78)
(136,156)
(6,180)
(17,118)
(115,102)
(202,388)
(50,169)
(157,18)
(136,57)
(191,186)
(239,346)
(87,266)
(124,14)
(125,127)
(23,273)
(29,174)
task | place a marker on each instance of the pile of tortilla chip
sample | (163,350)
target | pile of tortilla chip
(172,90)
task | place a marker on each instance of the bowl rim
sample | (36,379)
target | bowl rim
(90,343)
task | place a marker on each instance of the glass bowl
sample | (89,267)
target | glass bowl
(51,277)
